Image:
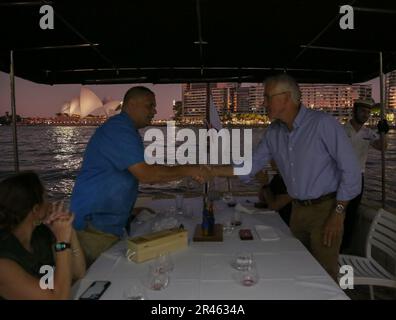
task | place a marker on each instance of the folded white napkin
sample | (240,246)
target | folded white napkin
(267,233)
(243,209)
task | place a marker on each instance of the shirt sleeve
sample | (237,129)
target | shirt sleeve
(122,146)
(261,156)
(372,135)
(341,150)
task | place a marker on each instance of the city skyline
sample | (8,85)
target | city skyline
(38,100)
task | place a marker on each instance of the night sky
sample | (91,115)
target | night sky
(34,99)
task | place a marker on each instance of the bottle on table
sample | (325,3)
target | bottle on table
(208,220)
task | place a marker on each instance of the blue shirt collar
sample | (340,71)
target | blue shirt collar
(297,120)
(300,116)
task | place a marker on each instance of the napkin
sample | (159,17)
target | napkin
(243,209)
(267,233)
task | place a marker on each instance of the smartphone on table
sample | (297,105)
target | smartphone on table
(95,290)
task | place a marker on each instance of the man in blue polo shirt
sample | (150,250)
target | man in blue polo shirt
(107,185)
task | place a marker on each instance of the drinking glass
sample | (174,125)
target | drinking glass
(179,200)
(228,227)
(242,261)
(135,291)
(157,278)
(247,277)
(164,263)
(229,199)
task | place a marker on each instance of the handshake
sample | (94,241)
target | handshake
(204,173)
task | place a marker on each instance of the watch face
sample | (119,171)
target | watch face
(59,246)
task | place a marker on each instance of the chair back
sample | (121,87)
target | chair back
(382,234)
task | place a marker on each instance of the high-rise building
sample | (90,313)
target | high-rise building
(233,98)
(332,96)
(241,100)
(256,98)
(227,98)
(390,94)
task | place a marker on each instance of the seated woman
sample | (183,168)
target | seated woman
(35,237)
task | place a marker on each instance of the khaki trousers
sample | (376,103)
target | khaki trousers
(307,223)
(94,242)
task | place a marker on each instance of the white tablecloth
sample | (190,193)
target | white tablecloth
(203,271)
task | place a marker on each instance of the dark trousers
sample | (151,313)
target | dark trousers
(351,219)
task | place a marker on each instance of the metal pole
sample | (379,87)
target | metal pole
(207,118)
(382,115)
(13,109)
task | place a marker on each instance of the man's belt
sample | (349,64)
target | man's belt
(309,202)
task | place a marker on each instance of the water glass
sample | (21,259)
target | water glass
(179,200)
(135,291)
(236,219)
(163,263)
(248,277)
(157,278)
(171,212)
(229,199)
(243,261)
(228,227)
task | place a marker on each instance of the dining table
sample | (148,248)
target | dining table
(206,270)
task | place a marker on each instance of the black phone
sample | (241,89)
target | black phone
(95,290)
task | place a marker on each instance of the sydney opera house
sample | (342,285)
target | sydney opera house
(88,104)
(86,109)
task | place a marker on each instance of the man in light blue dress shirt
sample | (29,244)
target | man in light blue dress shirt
(317,163)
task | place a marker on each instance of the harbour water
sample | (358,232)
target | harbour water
(56,154)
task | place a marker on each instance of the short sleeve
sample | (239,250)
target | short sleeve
(122,146)
(372,135)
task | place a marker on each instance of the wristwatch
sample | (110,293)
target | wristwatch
(61,246)
(340,209)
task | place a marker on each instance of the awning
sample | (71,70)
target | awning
(154,41)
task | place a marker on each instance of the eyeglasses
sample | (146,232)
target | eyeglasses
(268,98)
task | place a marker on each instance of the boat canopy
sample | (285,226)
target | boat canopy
(157,41)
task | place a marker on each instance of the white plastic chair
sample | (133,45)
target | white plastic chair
(367,271)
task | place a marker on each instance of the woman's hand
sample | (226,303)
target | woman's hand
(60,222)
